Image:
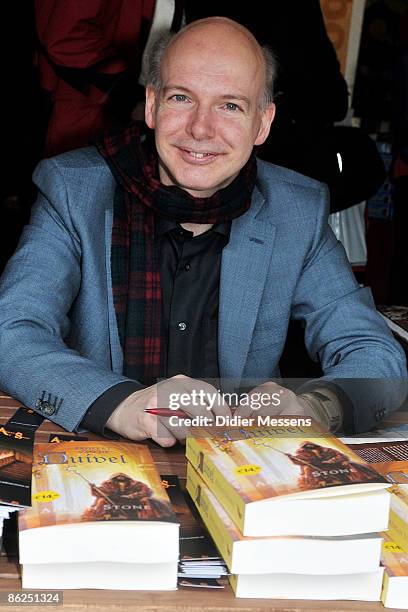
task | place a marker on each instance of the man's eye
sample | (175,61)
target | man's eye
(179,97)
(231,106)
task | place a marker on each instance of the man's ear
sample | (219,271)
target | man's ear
(150,107)
(267,117)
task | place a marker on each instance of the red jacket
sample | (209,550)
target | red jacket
(94,37)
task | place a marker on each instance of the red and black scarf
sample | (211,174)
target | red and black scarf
(132,158)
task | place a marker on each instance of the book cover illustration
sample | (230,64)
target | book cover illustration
(95,481)
(388,458)
(16,459)
(261,463)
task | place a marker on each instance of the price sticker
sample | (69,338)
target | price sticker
(46,496)
(248,470)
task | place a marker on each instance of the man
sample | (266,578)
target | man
(184,258)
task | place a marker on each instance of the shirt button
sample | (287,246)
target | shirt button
(182,326)
(187,267)
(181,232)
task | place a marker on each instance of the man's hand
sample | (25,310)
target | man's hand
(130,421)
(327,412)
(282,402)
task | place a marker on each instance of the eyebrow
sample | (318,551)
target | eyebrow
(228,96)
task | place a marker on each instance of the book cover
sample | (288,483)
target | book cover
(76,482)
(394,558)
(246,466)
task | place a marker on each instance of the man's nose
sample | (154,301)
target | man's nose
(202,123)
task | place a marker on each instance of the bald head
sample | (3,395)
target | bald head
(216,37)
(221,29)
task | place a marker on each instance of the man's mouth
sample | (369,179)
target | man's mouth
(198,155)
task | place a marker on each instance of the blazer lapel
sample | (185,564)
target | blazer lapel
(244,267)
(115,347)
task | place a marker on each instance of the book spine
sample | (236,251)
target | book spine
(385,586)
(215,526)
(233,580)
(398,530)
(216,482)
(398,523)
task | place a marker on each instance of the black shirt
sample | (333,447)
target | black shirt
(190,278)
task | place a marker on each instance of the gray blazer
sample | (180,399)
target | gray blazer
(58,331)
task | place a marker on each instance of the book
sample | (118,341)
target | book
(266,555)
(360,587)
(290,481)
(379,434)
(100,575)
(100,518)
(200,583)
(395,584)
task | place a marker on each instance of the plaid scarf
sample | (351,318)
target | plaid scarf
(132,158)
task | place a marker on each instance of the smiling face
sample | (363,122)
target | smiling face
(207,114)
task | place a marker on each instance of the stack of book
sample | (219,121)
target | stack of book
(200,564)
(100,518)
(391,460)
(294,512)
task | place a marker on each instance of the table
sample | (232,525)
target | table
(169,461)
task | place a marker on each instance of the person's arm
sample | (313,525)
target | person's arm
(359,357)
(98,414)
(37,291)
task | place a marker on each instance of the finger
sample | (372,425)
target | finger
(158,432)
(262,400)
(243,411)
(199,396)
(179,431)
(207,397)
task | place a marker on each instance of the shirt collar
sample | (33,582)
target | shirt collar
(164,225)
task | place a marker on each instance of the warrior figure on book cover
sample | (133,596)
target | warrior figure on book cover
(323,466)
(121,496)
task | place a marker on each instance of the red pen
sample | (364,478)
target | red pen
(166,412)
